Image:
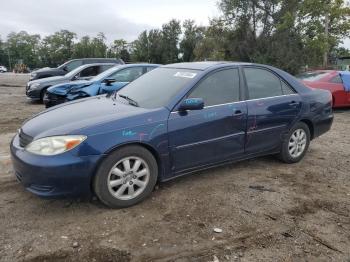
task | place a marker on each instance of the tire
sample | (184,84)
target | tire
(114,181)
(300,144)
(42,94)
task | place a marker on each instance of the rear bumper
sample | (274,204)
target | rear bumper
(64,175)
(323,125)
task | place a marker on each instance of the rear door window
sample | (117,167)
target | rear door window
(90,71)
(104,68)
(73,65)
(262,83)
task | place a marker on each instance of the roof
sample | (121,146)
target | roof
(139,64)
(202,65)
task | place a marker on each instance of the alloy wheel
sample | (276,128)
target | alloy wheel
(128,178)
(297,143)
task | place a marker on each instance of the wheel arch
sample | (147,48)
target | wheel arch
(310,125)
(148,147)
(42,92)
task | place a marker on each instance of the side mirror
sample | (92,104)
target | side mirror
(109,81)
(191,104)
(65,69)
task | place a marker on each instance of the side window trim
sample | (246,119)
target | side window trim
(247,98)
(208,75)
(176,107)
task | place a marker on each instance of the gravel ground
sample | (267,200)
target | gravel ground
(267,210)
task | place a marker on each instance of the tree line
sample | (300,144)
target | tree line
(288,34)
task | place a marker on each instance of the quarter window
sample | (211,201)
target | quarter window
(261,83)
(218,88)
(286,89)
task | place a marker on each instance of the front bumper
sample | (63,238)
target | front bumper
(33,93)
(53,100)
(64,175)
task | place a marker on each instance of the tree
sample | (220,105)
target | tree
(23,48)
(3,57)
(119,49)
(57,48)
(170,39)
(99,47)
(155,46)
(192,36)
(83,48)
(325,24)
(140,48)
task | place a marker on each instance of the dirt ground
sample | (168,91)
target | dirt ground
(267,210)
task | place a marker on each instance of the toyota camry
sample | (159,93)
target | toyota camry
(175,120)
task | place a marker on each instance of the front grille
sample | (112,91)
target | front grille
(24,139)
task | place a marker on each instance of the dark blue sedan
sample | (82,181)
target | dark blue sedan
(175,120)
(109,81)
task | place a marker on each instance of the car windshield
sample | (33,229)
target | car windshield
(156,88)
(312,76)
(105,74)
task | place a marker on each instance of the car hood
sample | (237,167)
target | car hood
(49,80)
(63,89)
(72,117)
(46,69)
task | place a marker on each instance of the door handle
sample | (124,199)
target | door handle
(293,103)
(237,113)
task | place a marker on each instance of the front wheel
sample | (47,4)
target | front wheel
(294,147)
(126,177)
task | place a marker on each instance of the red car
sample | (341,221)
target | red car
(337,82)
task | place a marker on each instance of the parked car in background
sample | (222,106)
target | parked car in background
(71,65)
(109,81)
(36,89)
(172,121)
(334,81)
(3,69)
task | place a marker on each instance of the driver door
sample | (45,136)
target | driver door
(217,132)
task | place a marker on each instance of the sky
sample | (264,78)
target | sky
(116,18)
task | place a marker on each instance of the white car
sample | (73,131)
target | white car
(3,69)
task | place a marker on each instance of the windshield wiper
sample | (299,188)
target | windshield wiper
(130,100)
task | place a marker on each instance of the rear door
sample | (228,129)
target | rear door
(215,133)
(272,108)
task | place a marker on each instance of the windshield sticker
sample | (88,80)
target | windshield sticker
(185,74)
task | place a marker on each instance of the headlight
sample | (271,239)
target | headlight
(54,145)
(33,86)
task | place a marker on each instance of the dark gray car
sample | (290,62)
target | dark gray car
(69,66)
(36,89)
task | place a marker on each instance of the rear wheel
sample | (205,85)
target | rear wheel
(126,177)
(294,147)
